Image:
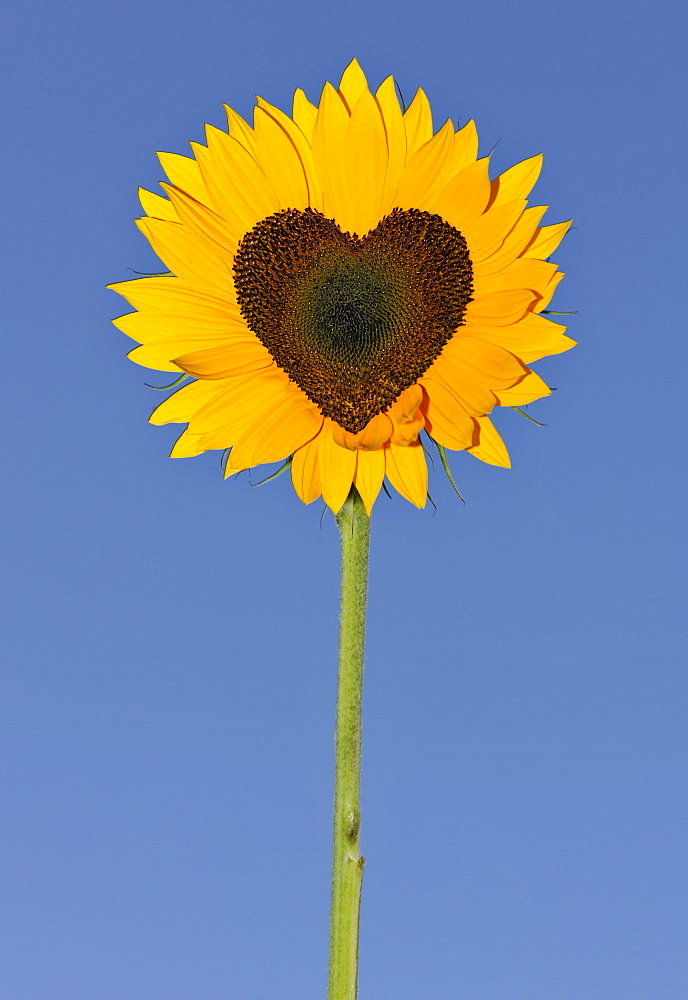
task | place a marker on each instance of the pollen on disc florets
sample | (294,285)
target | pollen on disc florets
(353,322)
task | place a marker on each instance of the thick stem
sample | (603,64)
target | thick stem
(347,863)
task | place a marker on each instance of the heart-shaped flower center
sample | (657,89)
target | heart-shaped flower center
(353,322)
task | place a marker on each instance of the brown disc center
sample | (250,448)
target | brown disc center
(353,322)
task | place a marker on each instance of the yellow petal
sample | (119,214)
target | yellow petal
(465,147)
(515,243)
(302,147)
(487,235)
(405,406)
(407,471)
(225,436)
(406,434)
(281,163)
(366,164)
(546,298)
(241,402)
(157,207)
(329,156)
(418,123)
(527,390)
(173,295)
(406,416)
(370,471)
(185,174)
(517,181)
(352,85)
(490,447)
(225,360)
(187,446)
(147,327)
(547,239)
(373,436)
(395,134)
(304,471)
(188,256)
(219,412)
(240,129)
(336,467)
(160,353)
(531,338)
(182,404)
(235,180)
(499,308)
(445,419)
(221,185)
(522,273)
(500,367)
(473,394)
(304,113)
(427,170)
(434,379)
(279,431)
(462,201)
(205,223)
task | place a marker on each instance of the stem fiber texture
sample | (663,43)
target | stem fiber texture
(347,863)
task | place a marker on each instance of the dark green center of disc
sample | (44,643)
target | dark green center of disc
(353,322)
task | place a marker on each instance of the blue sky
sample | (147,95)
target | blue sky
(170,638)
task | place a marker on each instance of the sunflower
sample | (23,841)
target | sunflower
(341,281)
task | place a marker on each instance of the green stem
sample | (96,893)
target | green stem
(347,863)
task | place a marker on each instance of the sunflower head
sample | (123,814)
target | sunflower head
(342,281)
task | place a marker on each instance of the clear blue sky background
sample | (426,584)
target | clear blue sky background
(170,638)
